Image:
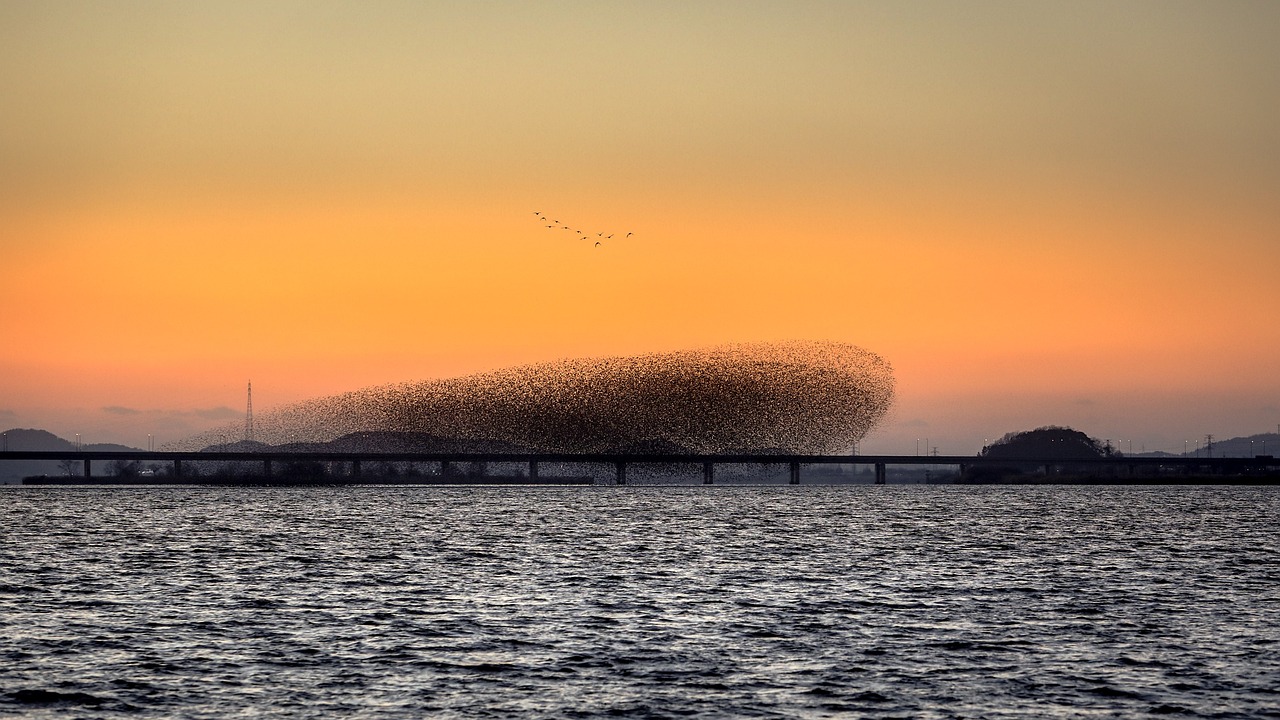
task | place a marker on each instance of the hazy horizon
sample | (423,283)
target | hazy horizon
(136,428)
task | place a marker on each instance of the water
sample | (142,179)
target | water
(922,602)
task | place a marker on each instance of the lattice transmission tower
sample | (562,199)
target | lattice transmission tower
(248,416)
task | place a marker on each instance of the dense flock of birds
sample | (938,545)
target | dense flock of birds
(798,397)
(599,238)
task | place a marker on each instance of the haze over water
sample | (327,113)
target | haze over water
(805,601)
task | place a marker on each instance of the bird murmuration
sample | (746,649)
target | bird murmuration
(795,397)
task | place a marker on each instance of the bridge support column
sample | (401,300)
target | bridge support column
(88,472)
(177,468)
(708,473)
(533,469)
(881,474)
(266,468)
(621,469)
(795,473)
(355,468)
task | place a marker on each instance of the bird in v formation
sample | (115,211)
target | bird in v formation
(556,223)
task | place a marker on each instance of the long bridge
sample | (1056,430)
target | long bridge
(1116,466)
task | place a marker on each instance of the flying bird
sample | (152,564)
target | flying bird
(585,234)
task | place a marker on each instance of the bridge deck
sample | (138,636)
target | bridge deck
(1112,465)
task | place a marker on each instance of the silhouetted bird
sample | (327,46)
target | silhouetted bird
(597,243)
(628,234)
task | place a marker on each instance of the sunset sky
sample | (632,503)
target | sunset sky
(1039,212)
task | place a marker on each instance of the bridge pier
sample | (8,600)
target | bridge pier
(177,468)
(621,469)
(795,473)
(355,468)
(88,472)
(708,473)
(533,469)
(266,468)
(881,474)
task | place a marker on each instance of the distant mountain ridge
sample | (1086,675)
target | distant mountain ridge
(377,442)
(33,439)
(42,440)
(1248,446)
(417,442)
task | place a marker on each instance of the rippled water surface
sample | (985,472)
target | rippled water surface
(640,602)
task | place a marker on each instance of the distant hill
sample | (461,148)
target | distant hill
(1066,449)
(1051,442)
(397,442)
(1065,443)
(380,442)
(1248,446)
(33,439)
(42,440)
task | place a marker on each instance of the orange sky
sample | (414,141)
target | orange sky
(1038,212)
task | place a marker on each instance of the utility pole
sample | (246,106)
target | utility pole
(1208,445)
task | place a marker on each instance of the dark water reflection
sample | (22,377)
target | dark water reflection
(647,602)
